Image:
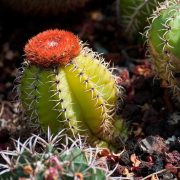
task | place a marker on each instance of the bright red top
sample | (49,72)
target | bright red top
(52,47)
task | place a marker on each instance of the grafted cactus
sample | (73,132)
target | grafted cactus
(164,43)
(134,14)
(37,158)
(43,7)
(65,85)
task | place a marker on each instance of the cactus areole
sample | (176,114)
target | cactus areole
(65,85)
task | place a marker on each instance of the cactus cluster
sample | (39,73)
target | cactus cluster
(37,158)
(65,85)
(163,38)
(43,7)
(134,14)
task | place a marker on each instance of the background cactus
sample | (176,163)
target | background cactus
(66,85)
(37,158)
(164,42)
(43,7)
(134,14)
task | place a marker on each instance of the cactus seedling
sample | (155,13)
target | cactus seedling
(164,42)
(45,7)
(66,85)
(134,14)
(37,158)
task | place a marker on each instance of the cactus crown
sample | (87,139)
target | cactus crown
(164,40)
(52,47)
(37,158)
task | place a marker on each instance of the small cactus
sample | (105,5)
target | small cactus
(65,85)
(37,158)
(43,7)
(163,38)
(134,14)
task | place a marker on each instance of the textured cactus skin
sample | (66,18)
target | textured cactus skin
(72,161)
(80,96)
(164,42)
(134,14)
(43,7)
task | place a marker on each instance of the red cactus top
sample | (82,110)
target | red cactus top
(52,47)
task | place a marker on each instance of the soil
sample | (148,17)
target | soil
(152,150)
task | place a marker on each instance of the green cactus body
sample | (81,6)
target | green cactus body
(80,96)
(164,42)
(51,163)
(134,14)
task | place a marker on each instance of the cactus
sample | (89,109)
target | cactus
(163,38)
(65,85)
(134,14)
(43,7)
(37,158)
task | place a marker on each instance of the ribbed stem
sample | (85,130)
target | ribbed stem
(75,97)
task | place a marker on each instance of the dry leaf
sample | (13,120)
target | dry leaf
(154,177)
(127,173)
(110,155)
(104,152)
(138,131)
(135,162)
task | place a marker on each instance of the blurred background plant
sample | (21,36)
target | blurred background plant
(43,8)
(133,16)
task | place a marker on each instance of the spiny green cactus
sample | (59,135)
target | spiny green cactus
(39,159)
(164,42)
(43,7)
(134,14)
(65,85)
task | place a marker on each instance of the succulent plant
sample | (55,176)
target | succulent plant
(37,158)
(163,38)
(65,85)
(134,14)
(43,7)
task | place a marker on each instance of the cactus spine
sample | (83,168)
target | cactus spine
(134,14)
(65,85)
(74,161)
(164,42)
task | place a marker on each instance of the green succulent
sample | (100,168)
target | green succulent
(164,41)
(65,85)
(39,159)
